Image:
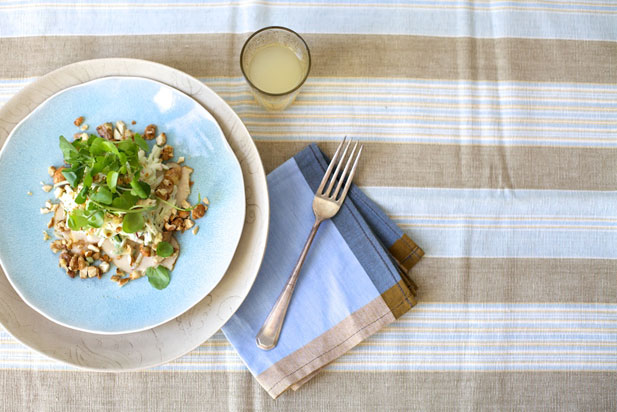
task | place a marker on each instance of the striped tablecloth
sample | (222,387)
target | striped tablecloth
(490,130)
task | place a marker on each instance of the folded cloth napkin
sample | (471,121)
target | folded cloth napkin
(354,280)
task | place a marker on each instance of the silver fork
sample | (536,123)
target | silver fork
(326,204)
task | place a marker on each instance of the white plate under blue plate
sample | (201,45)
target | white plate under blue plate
(99,305)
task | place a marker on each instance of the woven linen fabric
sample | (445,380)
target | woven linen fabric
(489,132)
(350,287)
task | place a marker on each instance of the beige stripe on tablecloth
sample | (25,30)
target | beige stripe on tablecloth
(508,280)
(453,166)
(352,55)
(332,392)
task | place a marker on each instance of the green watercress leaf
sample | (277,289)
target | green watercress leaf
(68,150)
(96,219)
(125,201)
(141,142)
(81,197)
(158,277)
(132,222)
(103,195)
(141,189)
(77,220)
(70,177)
(88,179)
(164,249)
(112,180)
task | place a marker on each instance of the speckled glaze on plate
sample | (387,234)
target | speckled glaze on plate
(130,351)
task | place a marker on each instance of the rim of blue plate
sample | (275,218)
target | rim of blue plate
(235,241)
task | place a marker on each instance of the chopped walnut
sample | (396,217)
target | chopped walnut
(162,193)
(56,246)
(174,174)
(104,267)
(195,230)
(206,201)
(93,271)
(150,132)
(136,274)
(47,188)
(188,223)
(123,282)
(106,131)
(77,122)
(161,140)
(199,211)
(51,170)
(145,250)
(45,236)
(167,153)
(73,265)
(183,214)
(58,176)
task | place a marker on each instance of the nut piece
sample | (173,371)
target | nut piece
(174,174)
(45,236)
(104,267)
(167,153)
(93,271)
(77,122)
(106,131)
(183,214)
(51,170)
(44,210)
(199,211)
(81,263)
(56,246)
(84,127)
(145,250)
(150,132)
(58,176)
(188,223)
(181,159)
(195,230)
(161,139)
(123,282)
(206,201)
(136,274)
(47,188)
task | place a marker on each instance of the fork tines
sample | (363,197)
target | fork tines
(346,176)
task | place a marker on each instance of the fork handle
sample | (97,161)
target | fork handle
(268,335)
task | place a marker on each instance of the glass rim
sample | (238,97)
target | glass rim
(308,68)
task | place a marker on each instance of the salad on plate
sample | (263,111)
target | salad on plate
(119,200)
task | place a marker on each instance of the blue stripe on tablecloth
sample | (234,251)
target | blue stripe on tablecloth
(435,336)
(579,20)
(504,223)
(428,111)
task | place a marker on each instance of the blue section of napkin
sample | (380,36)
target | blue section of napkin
(347,267)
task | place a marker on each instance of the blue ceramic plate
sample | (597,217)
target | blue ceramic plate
(99,305)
